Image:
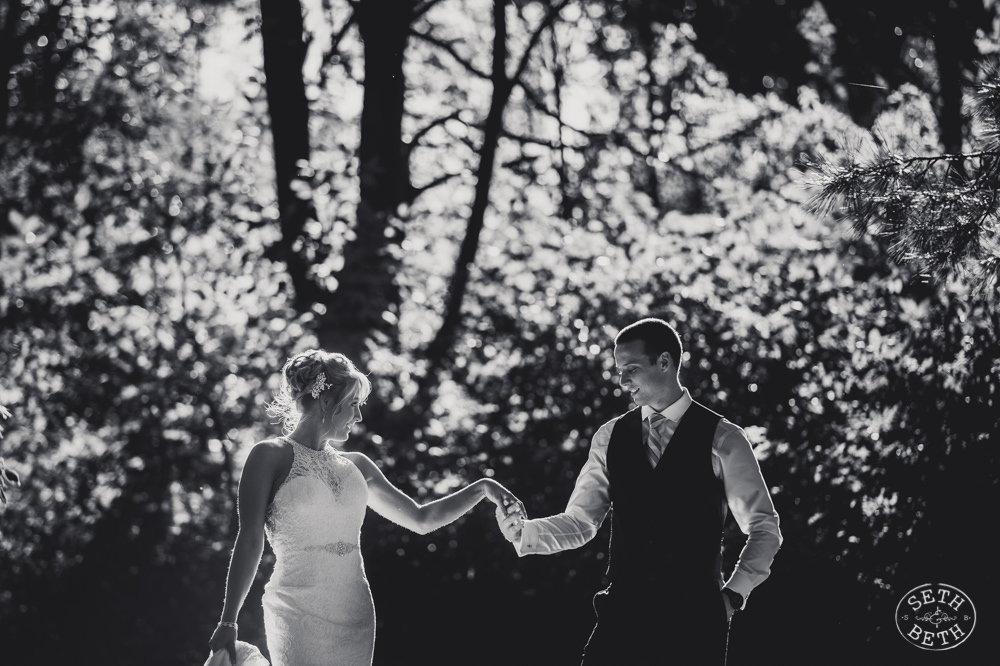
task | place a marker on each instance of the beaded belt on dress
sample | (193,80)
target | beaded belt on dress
(340,548)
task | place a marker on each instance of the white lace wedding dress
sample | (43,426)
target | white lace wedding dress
(318,608)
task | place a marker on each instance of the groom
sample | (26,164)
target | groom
(669,469)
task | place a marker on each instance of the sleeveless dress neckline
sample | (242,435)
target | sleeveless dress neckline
(299,445)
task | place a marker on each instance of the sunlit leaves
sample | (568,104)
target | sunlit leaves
(141,327)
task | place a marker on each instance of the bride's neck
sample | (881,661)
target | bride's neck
(308,437)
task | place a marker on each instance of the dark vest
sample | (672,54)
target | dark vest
(667,521)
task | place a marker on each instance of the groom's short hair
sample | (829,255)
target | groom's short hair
(657,336)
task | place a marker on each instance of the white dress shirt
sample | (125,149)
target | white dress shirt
(734,464)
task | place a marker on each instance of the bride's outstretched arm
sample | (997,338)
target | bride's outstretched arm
(255,485)
(390,502)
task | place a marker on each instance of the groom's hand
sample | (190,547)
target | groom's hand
(510,519)
(729,608)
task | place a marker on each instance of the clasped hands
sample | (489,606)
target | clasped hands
(509,510)
(510,519)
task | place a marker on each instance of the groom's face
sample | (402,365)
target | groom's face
(646,380)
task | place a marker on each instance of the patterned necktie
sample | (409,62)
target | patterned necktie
(657,437)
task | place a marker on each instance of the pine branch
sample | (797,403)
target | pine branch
(923,216)
(923,209)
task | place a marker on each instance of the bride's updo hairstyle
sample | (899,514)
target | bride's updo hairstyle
(302,383)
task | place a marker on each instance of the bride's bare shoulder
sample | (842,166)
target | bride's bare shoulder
(273,452)
(362,462)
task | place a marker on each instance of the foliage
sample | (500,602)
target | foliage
(140,328)
(6,475)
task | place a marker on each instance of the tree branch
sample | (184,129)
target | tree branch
(438,350)
(450,50)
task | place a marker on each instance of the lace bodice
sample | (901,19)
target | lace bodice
(318,608)
(320,505)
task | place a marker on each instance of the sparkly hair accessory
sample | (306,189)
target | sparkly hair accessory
(319,385)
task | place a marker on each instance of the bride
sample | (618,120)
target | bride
(309,499)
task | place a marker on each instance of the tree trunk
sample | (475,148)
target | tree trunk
(439,350)
(8,51)
(949,33)
(367,287)
(284,53)
(9,15)
(441,346)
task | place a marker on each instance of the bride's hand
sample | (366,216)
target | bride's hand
(503,498)
(224,638)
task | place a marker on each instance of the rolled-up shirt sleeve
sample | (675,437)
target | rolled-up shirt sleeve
(585,512)
(750,502)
